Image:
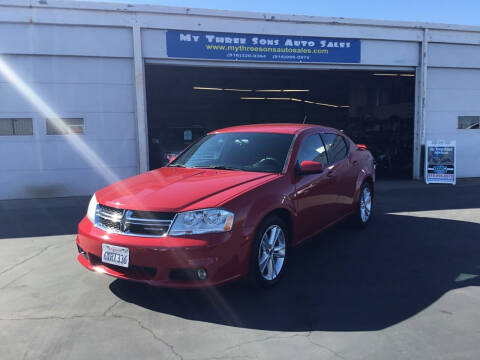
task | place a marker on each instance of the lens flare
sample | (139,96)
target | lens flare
(212,295)
(75,141)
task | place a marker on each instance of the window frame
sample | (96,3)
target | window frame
(47,127)
(469,127)
(12,119)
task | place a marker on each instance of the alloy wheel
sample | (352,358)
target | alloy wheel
(365,204)
(271,253)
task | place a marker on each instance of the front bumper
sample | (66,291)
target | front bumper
(158,261)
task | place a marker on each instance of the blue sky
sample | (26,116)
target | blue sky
(465,12)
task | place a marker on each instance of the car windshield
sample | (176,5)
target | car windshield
(260,152)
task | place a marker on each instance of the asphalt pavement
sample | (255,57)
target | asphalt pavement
(407,287)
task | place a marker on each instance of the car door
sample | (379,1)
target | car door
(342,170)
(314,193)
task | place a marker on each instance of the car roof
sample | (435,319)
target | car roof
(283,128)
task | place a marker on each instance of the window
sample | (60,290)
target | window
(313,149)
(469,122)
(12,127)
(262,152)
(65,126)
(336,147)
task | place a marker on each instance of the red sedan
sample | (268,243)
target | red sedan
(232,205)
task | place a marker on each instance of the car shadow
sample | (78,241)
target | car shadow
(342,280)
(23,218)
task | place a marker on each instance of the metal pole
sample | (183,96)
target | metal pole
(141,115)
(420,105)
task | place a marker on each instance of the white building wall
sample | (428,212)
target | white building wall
(453,89)
(453,93)
(71,40)
(77,71)
(78,57)
(98,89)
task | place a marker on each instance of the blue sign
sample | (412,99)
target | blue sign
(440,162)
(244,47)
(440,169)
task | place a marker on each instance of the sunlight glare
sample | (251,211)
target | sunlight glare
(76,141)
(468,215)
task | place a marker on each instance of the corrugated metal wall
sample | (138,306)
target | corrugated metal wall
(75,80)
(453,89)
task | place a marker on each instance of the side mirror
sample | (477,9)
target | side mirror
(310,167)
(171,157)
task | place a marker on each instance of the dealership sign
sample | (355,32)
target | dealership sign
(440,162)
(248,47)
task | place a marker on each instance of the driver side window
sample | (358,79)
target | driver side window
(313,149)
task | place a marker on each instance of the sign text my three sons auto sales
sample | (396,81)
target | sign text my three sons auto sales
(267,41)
(254,47)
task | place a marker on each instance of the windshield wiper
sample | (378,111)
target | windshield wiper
(218,167)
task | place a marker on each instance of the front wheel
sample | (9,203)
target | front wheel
(365,206)
(270,250)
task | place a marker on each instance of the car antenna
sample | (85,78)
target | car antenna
(304,119)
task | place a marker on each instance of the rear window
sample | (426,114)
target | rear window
(313,149)
(336,147)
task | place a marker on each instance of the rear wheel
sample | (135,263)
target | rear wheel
(270,250)
(365,206)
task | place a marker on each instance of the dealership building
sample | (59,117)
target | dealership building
(91,93)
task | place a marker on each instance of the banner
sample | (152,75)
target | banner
(440,162)
(245,47)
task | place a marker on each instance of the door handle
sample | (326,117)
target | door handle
(355,163)
(331,173)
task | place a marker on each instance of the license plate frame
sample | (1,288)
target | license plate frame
(115,255)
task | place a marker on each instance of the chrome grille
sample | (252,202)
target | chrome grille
(132,222)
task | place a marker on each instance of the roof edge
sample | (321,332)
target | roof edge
(171,10)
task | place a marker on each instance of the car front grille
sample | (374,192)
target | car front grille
(132,222)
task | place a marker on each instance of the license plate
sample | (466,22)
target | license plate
(115,255)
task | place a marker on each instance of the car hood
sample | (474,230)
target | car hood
(176,189)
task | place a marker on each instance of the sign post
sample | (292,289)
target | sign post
(440,162)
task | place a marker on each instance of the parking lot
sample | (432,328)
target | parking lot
(407,287)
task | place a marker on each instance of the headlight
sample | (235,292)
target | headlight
(202,222)
(92,208)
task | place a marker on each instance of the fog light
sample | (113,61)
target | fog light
(81,251)
(202,274)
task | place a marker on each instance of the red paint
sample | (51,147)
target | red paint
(176,189)
(310,167)
(313,202)
(269,128)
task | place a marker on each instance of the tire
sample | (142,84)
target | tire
(268,262)
(364,211)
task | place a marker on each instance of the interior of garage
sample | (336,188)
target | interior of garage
(375,108)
